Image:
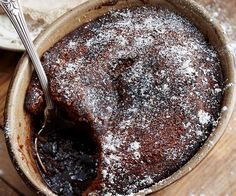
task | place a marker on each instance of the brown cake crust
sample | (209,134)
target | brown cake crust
(150,85)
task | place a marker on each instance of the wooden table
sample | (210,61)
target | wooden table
(215,175)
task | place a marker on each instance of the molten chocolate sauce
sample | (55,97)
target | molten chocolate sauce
(69,156)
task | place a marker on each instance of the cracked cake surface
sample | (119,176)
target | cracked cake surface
(148,83)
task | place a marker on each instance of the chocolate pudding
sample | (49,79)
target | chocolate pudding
(146,84)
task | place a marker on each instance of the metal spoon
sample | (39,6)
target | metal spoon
(15,14)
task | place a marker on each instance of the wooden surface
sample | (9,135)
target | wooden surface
(215,175)
(10,182)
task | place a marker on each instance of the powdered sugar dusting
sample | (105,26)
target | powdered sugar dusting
(7,129)
(224,109)
(145,78)
(204,117)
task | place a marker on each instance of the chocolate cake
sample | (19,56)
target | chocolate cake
(147,83)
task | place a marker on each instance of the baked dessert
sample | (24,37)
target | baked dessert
(148,85)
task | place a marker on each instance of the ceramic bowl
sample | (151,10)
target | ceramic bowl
(17,121)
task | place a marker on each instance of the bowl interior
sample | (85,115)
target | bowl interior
(17,121)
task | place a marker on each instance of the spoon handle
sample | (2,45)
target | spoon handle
(15,14)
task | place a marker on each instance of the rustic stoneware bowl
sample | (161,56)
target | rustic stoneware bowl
(17,121)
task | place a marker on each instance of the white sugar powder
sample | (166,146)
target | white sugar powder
(204,117)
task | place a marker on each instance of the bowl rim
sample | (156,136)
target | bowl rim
(201,153)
